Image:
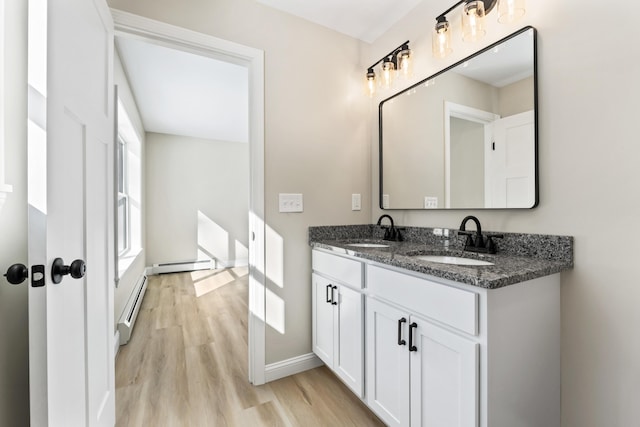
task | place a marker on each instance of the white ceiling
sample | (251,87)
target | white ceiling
(185,94)
(362,19)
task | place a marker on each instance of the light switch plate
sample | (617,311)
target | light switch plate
(356,202)
(289,202)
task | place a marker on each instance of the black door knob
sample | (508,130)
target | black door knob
(17,274)
(58,269)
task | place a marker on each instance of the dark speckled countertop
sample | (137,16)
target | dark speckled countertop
(522,257)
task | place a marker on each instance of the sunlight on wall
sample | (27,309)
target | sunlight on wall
(275,311)
(213,240)
(275,257)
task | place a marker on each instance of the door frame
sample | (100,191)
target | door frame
(459,111)
(130,25)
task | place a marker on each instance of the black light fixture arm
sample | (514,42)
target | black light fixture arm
(391,54)
(488,5)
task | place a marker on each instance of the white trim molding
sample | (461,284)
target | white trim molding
(295,365)
(130,25)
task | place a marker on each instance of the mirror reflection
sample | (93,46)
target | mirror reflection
(465,137)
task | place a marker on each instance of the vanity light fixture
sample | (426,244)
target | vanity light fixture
(473,16)
(396,64)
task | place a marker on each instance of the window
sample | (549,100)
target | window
(128,190)
(124,217)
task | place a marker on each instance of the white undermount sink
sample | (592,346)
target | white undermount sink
(443,259)
(368,245)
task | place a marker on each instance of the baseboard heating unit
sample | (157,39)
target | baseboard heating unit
(178,267)
(128,318)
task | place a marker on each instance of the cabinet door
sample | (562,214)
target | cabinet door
(387,363)
(322,312)
(444,377)
(348,360)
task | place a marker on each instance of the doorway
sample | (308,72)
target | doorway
(133,26)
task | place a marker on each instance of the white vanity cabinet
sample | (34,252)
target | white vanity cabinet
(419,373)
(433,352)
(338,317)
(480,357)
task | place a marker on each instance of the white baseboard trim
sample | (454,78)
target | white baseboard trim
(116,341)
(295,365)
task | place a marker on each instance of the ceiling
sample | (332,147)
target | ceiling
(185,94)
(362,19)
(507,63)
(180,93)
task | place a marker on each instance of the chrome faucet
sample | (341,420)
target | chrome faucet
(390,233)
(479,244)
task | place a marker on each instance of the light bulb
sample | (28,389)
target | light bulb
(441,39)
(370,83)
(510,11)
(388,73)
(405,63)
(473,21)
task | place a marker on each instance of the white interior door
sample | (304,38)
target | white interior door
(510,166)
(70,164)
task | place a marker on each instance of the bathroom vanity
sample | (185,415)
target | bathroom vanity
(426,343)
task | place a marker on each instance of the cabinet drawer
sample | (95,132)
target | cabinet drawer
(454,307)
(344,270)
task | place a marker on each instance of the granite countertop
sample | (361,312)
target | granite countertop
(510,267)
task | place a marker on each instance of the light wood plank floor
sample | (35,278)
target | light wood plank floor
(186,365)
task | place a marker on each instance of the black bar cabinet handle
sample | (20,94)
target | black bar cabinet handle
(400,340)
(411,328)
(327,293)
(333,300)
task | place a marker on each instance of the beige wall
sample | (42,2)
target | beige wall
(316,137)
(589,97)
(516,98)
(198,198)
(14,330)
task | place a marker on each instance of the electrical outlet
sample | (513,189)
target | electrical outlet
(356,202)
(290,202)
(437,231)
(385,201)
(430,202)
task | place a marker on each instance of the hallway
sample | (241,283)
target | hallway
(186,364)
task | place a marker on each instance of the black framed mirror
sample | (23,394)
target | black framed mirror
(467,136)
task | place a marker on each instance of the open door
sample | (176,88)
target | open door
(70,164)
(510,180)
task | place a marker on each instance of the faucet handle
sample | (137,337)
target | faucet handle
(491,246)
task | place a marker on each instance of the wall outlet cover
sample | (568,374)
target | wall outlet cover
(356,202)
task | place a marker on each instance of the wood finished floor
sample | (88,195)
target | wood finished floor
(186,365)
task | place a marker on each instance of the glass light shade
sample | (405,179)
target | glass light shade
(473,21)
(370,84)
(441,40)
(510,11)
(388,74)
(405,64)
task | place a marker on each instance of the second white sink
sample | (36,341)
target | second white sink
(443,259)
